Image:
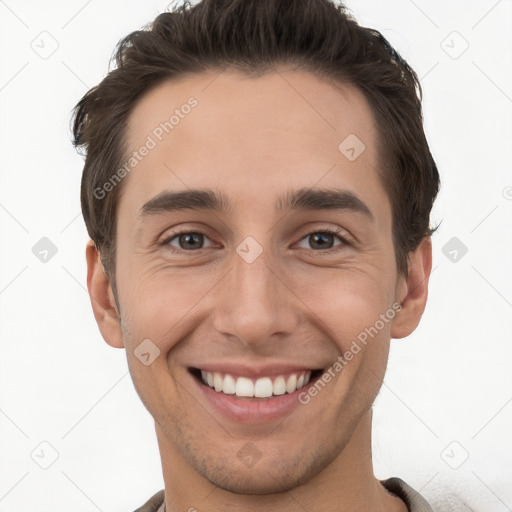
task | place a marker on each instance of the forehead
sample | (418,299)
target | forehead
(252,136)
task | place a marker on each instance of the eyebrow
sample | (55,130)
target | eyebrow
(302,199)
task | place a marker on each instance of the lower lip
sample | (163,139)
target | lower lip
(252,410)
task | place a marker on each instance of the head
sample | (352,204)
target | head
(294,126)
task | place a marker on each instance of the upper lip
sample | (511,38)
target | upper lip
(253,370)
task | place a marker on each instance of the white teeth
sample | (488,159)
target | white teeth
(229,385)
(291,384)
(279,386)
(244,387)
(261,388)
(218,381)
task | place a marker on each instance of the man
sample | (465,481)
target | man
(257,188)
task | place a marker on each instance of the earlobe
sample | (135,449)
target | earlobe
(102,298)
(413,291)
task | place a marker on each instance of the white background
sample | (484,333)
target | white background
(448,391)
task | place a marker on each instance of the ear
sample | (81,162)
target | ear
(412,291)
(102,298)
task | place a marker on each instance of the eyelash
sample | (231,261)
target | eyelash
(329,231)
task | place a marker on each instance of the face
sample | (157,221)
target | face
(260,288)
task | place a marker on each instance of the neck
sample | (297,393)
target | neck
(347,484)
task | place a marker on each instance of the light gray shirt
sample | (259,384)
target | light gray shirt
(414,501)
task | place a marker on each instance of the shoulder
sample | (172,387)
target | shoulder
(440,500)
(154,504)
(413,499)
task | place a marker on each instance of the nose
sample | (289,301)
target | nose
(256,302)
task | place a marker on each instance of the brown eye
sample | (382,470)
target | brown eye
(186,241)
(323,240)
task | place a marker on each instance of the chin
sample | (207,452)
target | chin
(265,477)
(255,483)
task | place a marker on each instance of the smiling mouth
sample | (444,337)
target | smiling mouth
(258,389)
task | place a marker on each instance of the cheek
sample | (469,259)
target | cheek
(354,310)
(161,305)
(351,306)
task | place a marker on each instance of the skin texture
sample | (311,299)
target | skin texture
(253,139)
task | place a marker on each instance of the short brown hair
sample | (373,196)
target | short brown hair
(253,36)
